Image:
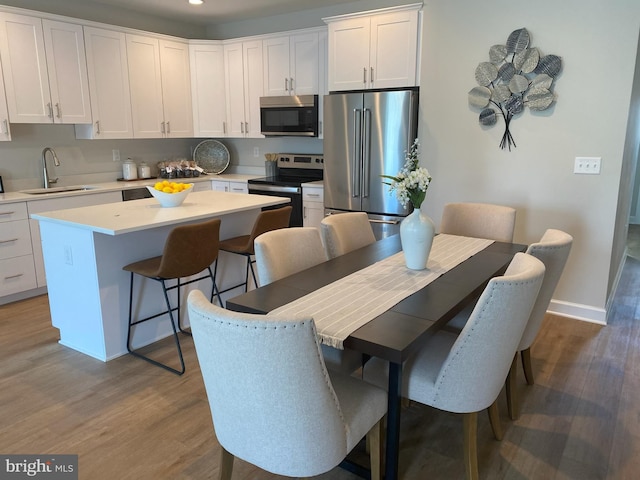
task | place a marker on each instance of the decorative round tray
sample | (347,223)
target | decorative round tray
(212,156)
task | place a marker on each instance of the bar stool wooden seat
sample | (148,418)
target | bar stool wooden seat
(188,251)
(267,220)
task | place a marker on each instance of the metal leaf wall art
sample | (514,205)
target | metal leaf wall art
(516,76)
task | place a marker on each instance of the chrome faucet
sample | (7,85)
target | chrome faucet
(48,181)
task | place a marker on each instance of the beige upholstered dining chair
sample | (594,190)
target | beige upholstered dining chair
(345,232)
(465,373)
(273,402)
(553,250)
(281,253)
(480,220)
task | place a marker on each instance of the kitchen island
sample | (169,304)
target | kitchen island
(85,249)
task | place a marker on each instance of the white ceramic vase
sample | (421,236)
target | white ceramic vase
(416,236)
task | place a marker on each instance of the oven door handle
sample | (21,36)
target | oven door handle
(274,188)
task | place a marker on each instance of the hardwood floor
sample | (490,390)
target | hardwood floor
(127,419)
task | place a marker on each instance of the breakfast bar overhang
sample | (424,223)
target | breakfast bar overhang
(85,249)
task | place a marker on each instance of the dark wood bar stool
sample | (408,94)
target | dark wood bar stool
(188,250)
(267,220)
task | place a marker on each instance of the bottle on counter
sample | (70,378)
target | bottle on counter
(129,170)
(144,171)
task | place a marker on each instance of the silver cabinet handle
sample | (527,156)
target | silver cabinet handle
(286,84)
(371,74)
(315,195)
(5,127)
(9,240)
(50,108)
(168,128)
(162,127)
(7,213)
(97,127)
(241,127)
(224,127)
(291,84)
(304,212)
(13,276)
(246,127)
(364,75)
(58,111)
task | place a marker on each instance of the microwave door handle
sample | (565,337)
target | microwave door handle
(357,153)
(366,160)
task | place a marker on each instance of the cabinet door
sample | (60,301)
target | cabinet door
(143,59)
(5,131)
(304,62)
(108,85)
(67,69)
(253,86)
(176,89)
(208,90)
(394,39)
(238,187)
(25,69)
(234,86)
(275,53)
(219,186)
(349,54)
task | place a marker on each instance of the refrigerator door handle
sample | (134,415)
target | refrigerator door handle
(366,160)
(357,152)
(386,222)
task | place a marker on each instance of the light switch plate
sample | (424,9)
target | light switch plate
(587,165)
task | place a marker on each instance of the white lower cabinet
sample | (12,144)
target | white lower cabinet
(312,206)
(229,186)
(39,206)
(16,258)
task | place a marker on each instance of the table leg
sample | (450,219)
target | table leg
(393,421)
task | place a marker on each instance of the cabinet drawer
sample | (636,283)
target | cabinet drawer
(18,275)
(13,211)
(238,187)
(15,239)
(313,195)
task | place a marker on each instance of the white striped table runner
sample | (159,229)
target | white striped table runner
(343,306)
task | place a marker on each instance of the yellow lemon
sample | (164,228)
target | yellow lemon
(167,190)
(158,186)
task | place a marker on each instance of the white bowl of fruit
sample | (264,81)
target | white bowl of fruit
(170,194)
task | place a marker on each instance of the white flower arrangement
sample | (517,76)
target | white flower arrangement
(411,183)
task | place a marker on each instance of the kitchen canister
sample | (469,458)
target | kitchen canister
(129,170)
(144,171)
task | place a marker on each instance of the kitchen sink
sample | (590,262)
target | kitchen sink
(72,188)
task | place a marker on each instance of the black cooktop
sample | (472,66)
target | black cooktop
(290,179)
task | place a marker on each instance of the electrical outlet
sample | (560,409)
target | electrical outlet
(256,152)
(587,165)
(68,255)
(116,155)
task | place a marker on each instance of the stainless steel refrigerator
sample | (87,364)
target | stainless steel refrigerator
(366,135)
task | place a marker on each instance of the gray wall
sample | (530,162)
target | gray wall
(589,119)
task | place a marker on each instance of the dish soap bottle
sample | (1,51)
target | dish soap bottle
(129,170)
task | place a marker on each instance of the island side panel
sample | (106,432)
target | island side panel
(72,283)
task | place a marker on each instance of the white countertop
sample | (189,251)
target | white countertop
(12,197)
(124,217)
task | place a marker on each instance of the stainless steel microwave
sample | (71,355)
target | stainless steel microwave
(294,115)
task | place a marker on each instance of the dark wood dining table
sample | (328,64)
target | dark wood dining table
(401,330)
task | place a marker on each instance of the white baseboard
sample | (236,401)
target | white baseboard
(578,311)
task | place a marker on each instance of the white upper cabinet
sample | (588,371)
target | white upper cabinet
(160,87)
(291,64)
(244,87)
(373,50)
(5,130)
(45,71)
(108,85)
(208,89)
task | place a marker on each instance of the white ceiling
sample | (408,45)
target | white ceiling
(213,11)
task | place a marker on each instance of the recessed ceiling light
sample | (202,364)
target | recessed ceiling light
(196,2)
